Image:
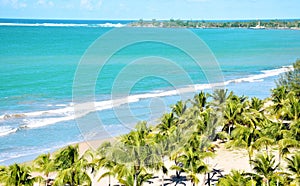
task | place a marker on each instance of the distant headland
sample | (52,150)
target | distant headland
(251,24)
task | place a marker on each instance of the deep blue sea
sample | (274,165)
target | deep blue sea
(39,60)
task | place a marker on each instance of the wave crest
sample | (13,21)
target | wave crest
(64,24)
(66,113)
(6,130)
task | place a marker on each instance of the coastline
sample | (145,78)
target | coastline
(225,159)
(276,24)
(268,24)
(85,145)
(268,28)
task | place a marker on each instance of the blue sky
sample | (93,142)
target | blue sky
(149,9)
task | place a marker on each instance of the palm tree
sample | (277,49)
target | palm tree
(190,157)
(136,151)
(292,109)
(67,157)
(76,175)
(295,130)
(271,130)
(193,164)
(219,98)
(285,144)
(163,146)
(256,104)
(244,136)
(293,165)
(105,161)
(72,168)
(264,165)
(267,132)
(2,172)
(109,166)
(235,178)
(179,109)
(128,176)
(291,79)
(232,112)
(279,99)
(265,141)
(200,101)
(167,125)
(44,164)
(17,175)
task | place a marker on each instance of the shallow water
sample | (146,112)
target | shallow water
(38,64)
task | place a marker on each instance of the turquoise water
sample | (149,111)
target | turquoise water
(38,64)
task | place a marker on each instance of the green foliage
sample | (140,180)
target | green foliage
(17,175)
(235,178)
(293,166)
(291,79)
(66,157)
(71,167)
(172,23)
(265,165)
(184,136)
(44,164)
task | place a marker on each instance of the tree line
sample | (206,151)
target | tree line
(172,23)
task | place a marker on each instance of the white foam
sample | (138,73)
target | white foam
(63,24)
(118,25)
(6,130)
(61,105)
(67,113)
(263,75)
(36,123)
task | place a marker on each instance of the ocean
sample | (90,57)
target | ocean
(39,60)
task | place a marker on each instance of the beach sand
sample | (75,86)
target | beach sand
(225,160)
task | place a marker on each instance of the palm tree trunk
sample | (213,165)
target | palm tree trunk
(163,174)
(250,167)
(109,180)
(135,180)
(279,157)
(47,175)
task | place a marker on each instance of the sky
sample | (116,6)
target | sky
(150,9)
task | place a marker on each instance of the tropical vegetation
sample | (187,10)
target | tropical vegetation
(172,23)
(269,130)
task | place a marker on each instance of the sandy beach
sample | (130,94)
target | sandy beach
(225,160)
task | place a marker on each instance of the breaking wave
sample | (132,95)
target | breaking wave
(49,117)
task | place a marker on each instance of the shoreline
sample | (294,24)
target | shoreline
(254,77)
(204,28)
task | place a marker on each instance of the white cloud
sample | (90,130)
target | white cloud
(16,4)
(45,3)
(90,4)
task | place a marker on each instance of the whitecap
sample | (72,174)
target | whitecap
(67,113)
(36,123)
(63,24)
(264,74)
(6,130)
